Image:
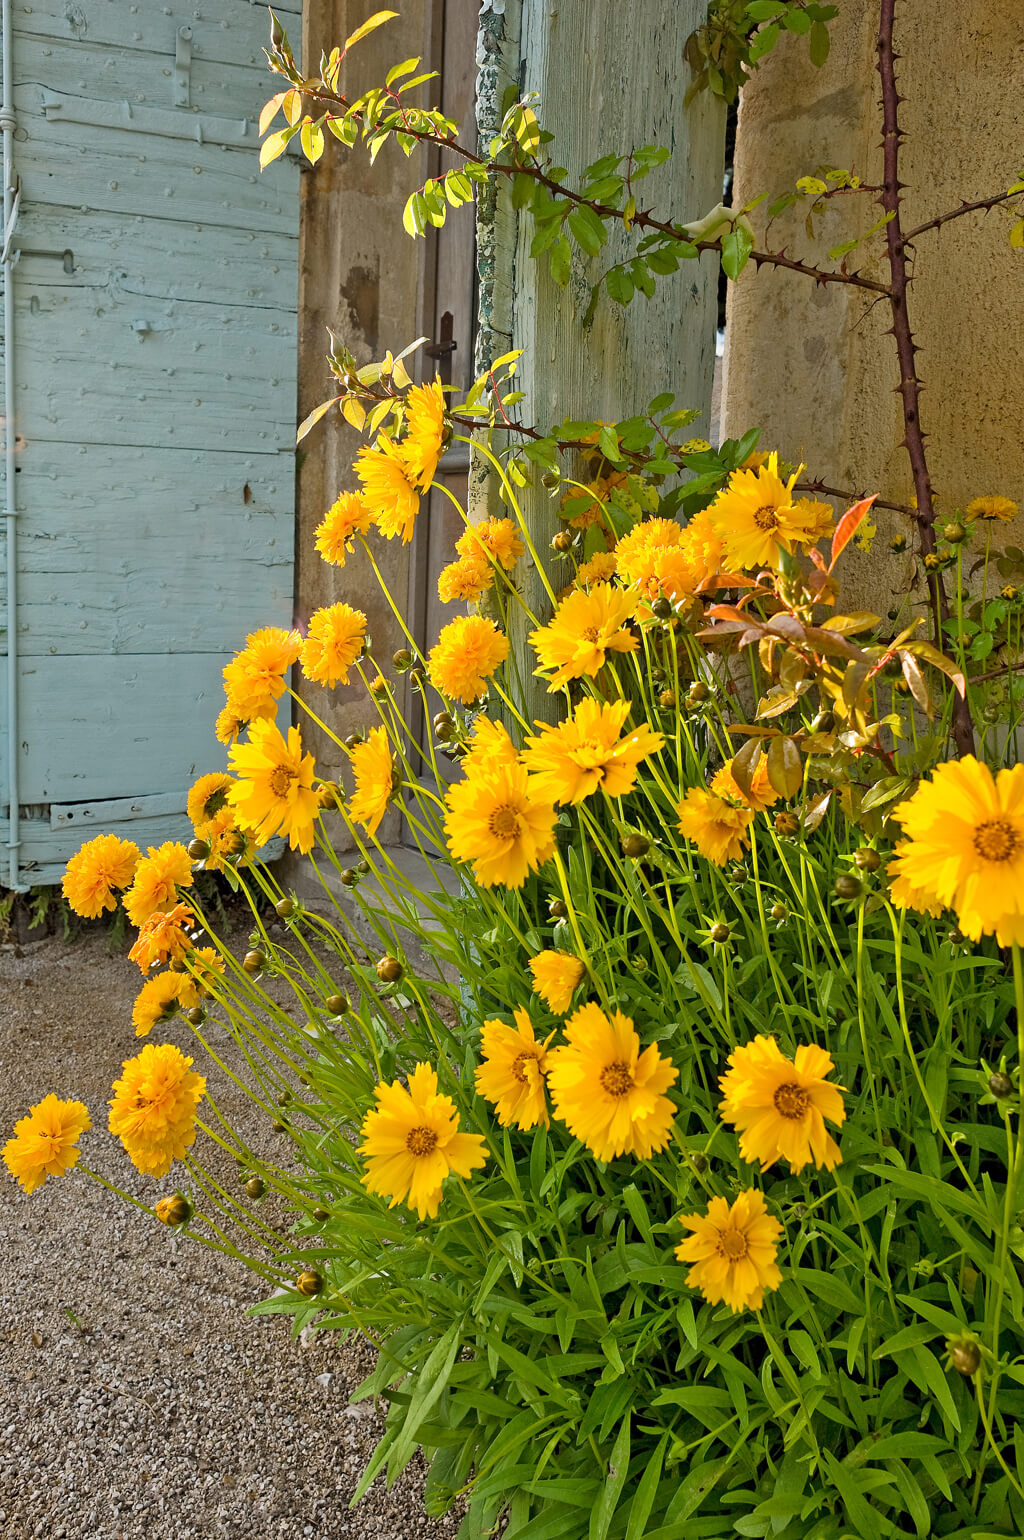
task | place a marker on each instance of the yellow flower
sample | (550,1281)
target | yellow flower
(274,790)
(254,679)
(388,488)
(228,725)
(204,965)
(468,651)
(609,1094)
(45,1142)
(670,560)
(425,433)
(334,641)
(158,876)
(207,802)
(465,580)
(756,517)
(963,848)
(153,1109)
(555,976)
(762,793)
(349,515)
(227,846)
(496,820)
(411,1143)
(572,759)
(816,517)
(597,570)
(497,539)
(374,770)
(489,745)
(992,508)
(100,866)
(718,829)
(584,629)
(511,1076)
(732,1251)
(159,998)
(163,937)
(779,1105)
(904,894)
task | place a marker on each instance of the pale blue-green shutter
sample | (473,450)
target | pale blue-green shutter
(154,365)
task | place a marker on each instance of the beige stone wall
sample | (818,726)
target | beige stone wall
(813,366)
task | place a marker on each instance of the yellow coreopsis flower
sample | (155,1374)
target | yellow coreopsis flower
(163,937)
(511,1076)
(732,1251)
(489,745)
(411,1143)
(158,876)
(599,569)
(45,1142)
(273,792)
(349,515)
(335,640)
(153,1109)
(609,1094)
(572,759)
(963,847)
(497,539)
(388,488)
(496,820)
(906,895)
(425,432)
(555,976)
(254,680)
(207,803)
(469,650)
(779,1105)
(228,725)
(374,770)
(465,580)
(762,793)
(1001,508)
(756,517)
(100,867)
(817,519)
(719,830)
(205,965)
(586,627)
(159,998)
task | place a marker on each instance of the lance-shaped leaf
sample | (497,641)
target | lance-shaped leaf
(785,767)
(314,417)
(916,681)
(369,25)
(939,660)
(848,526)
(815,810)
(744,764)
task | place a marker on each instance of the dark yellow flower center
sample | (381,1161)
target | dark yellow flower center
(616,1079)
(590,633)
(281,779)
(504,823)
(791,1101)
(767,517)
(996,839)
(421,1141)
(516,1069)
(732,1245)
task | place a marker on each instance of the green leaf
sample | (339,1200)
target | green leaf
(619,285)
(736,248)
(370,25)
(618,1468)
(819,45)
(560,261)
(646,1492)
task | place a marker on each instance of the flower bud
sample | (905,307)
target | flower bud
(320,1214)
(336,1005)
(389,970)
(173,1210)
(363,868)
(954,532)
(379,686)
(1000,1084)
(720,933)
(1009,592)
(955,936)
(699,1163)
(557,909)
(867,860)
(417,678)
(444,726)
(824,722)
(198,850)
(284,1098)
(279,1128)
(329,795)
(698,691)
(898,543)
(965,1357)
(662,608)
(353,740)
(848,886)
(990,712)
(255,1187)
(254,962)
(550,479)
(667,699)
(634,846)
(309,1283)
(787,825)
(348,877)
(562,542)
(402,660)
(779,912)
(284,908)
(195,1016)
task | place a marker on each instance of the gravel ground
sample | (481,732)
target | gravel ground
(139,1399)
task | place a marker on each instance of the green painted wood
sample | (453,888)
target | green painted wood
(155,402)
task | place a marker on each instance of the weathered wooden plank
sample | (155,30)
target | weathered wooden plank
(139,550)
(82,166)
(221,29)
(45,851)
(97,727)
(98,815)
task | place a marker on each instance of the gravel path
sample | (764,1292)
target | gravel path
(138,1398)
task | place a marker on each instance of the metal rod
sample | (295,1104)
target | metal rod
(7,126)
